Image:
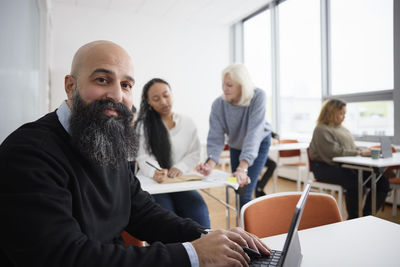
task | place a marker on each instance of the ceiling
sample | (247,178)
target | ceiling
(210,11)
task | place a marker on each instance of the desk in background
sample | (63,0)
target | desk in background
(217,178)
(375,166)
(366,241)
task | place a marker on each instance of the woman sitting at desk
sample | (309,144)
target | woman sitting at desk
(170,142)
(330,139)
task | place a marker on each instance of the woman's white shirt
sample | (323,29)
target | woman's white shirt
(185,146)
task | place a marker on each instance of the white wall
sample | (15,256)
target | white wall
(19,65)
(189,56)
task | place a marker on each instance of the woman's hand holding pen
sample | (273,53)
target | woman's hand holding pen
(206,167)
(160,175)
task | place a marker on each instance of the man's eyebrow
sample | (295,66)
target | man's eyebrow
(101,70)
(128,77)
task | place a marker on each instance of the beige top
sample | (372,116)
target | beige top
(328,142)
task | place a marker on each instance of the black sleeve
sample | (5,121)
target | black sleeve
(146,216)
(38,227)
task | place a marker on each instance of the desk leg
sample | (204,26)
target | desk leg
(237,197)
(360,193)
(227,211)
(373,193)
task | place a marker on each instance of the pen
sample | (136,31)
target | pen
(151,165)
(251,252)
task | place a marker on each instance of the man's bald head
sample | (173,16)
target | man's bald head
(100,70)
(92,51)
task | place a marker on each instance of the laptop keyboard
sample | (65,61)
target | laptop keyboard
(271,260)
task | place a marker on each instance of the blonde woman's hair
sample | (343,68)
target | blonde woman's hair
(329,110)
(240,75)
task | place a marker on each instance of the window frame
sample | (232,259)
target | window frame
(326,75)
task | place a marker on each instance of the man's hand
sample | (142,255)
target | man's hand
(252,240)
(224,248)
(174,172)
(160,176)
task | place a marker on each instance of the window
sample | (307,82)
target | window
(257,53)
(362,63)
(322,49)
(300,67)
(370,118)
(361,45)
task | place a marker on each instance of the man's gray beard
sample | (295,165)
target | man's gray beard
(106,140)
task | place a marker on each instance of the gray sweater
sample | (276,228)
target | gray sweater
(328,142)
(245,127)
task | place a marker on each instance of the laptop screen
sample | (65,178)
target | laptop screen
(386,147)
(291,254)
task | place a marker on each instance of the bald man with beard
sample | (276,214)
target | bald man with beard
(67,192)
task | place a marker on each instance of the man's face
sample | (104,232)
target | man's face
(103,75)
(99,92)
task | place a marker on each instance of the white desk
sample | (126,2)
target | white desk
(375,166)
(366,241)
(288,146)
(217,178)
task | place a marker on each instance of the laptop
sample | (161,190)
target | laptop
(291,255)
(386,147)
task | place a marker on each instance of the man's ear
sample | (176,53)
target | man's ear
(70,86)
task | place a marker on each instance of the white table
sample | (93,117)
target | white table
(366,241)
(217,178)
(289,146)
(375,166)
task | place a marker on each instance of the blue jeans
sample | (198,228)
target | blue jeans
(254,170)
(187,204)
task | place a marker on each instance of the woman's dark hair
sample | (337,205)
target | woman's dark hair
(155,133)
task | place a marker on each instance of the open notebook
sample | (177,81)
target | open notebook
(184,178)
(291,255)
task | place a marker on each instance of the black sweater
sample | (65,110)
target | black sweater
(59,209)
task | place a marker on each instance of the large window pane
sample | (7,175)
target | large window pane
(257,53)
(361,45)
(370,118)
(300,67)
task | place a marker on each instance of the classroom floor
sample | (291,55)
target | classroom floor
(218,214)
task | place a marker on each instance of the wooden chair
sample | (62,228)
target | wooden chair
(271,214)
(298,165)
(333,188)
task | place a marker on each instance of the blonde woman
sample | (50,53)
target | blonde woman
(239,114)
(330,139)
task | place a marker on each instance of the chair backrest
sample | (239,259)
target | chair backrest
(289,153)
(271,214)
